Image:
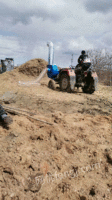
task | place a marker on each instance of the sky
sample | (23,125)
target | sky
(72,25)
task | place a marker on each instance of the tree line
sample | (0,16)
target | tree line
(102,63)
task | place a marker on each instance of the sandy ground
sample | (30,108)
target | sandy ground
(71,159)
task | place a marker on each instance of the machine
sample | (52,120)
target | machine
(68,78)
(7,65)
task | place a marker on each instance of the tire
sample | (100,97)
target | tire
(90,88)
(65,83)
(84,89)
(51,85)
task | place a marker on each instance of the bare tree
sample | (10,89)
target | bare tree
(102,63)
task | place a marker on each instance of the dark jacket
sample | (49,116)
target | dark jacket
(81,58)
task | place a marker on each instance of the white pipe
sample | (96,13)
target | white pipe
(51,52)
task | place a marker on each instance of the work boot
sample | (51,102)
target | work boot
(7,120)
(4,118)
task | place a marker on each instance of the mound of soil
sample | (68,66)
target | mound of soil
(68,158)
(33,67)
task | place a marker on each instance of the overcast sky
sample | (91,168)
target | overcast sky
(72,25)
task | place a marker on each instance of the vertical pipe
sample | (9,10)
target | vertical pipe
(51,53)
(72,61)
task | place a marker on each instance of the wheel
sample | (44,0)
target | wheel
(84,89)
(89,88)
(51,85)
(65,82)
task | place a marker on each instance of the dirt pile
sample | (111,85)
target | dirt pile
(68,159)
(33,67)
